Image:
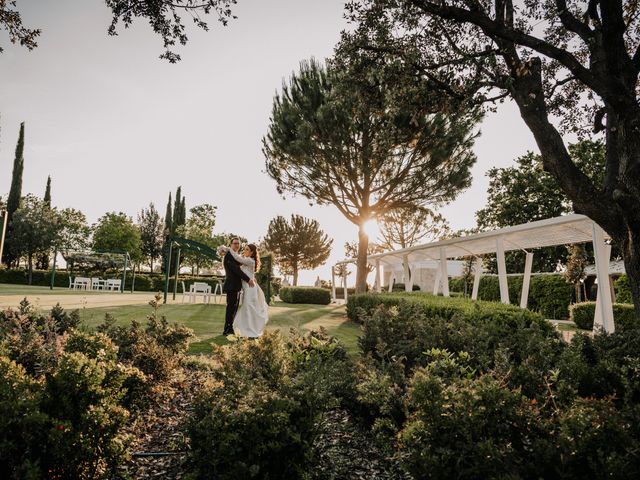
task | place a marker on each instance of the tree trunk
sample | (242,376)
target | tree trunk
(30,267)
(361,266)
(151,266)
(295,275)
(630,244)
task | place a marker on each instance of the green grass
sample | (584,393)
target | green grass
(207,321)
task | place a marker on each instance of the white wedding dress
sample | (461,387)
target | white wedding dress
(253,313)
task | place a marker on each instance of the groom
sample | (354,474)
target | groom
(233,285)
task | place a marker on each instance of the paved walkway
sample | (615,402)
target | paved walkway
(71,301)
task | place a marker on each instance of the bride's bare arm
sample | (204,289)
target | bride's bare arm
(242,259)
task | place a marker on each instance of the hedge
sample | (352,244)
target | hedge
(362,305)
(550,295)
(624,315)
(623,290)
(319,296)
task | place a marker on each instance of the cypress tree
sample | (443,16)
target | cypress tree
(47,192)
(15,193)
(168,230)
(42,262)
(177,203)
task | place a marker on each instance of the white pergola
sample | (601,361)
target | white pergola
(562,230)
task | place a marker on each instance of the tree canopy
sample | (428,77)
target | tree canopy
(151,233)
(297,245)
(117,232)
(36,228)
(403,228)
(341,136)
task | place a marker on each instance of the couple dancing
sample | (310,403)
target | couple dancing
(251,317)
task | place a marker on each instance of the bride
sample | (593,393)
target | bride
(253,314)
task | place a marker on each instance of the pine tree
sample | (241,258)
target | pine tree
(15,193)
(177,203)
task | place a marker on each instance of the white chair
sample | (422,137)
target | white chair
(200,288)
(97,283)
(217,292)
(113,284)
(81,283)
(185,293)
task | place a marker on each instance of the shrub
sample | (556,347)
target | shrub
(471,428)
(313,295)
(82,398)
(258,417)
(23,427)
(550,295)
(623,290)
(623,315)
(400,287)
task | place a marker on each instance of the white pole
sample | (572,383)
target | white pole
(436,282)
(406,273)
(333,283)
(345,283)
(4,229)
(604,307)
(502,271)
(378,288)
(477,267)
(444,274)
(526,280)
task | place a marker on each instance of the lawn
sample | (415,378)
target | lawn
(207,320)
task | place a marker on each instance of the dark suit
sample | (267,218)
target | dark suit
(232,286)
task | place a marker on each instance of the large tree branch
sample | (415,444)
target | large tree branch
(571,23)
(498,31)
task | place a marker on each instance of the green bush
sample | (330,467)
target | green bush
(400,287)
(33,340)
(550,295)
(623,290)
(319,296)
(258,419)
(431,305)
(623,315)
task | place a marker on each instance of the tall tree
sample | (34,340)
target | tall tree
(151,233)
(75,234)
(297,245)
(340,136)
(575,268)
(47,192)
(168,231)
(568,66)
(117,232)
(407,227)
(43,260)
(35,229)
(15,193)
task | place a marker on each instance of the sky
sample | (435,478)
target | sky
(117,128)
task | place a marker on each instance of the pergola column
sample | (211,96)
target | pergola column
(344,280)
(444,274)
(436,282)
(526,280)
(333,283)
(502,271)
(406,273)
(378,285)
(477,273)
(603,317)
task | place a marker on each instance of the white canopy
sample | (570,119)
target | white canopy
(563,230)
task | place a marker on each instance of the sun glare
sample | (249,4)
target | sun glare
(372,229)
